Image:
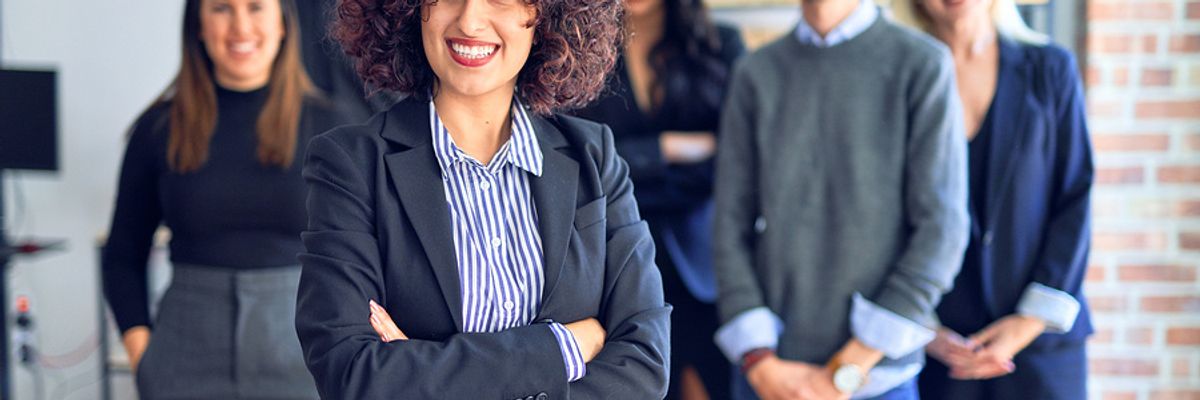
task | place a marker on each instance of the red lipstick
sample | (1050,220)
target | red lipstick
(467,60)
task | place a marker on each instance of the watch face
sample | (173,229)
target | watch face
(848,378)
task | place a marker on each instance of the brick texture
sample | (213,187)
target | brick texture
(1144,281)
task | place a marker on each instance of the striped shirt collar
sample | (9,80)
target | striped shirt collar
(863,16)
(521,149)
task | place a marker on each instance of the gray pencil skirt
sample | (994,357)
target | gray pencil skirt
(226,334)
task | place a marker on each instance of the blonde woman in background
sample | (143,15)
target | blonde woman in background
(1018,298)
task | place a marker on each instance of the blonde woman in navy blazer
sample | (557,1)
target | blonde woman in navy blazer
(1015,325)
(470,243)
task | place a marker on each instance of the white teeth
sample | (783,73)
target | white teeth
(472,51)
(243,47)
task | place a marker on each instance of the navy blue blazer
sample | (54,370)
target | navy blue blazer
(380,228)
(677,200)
(1039,172)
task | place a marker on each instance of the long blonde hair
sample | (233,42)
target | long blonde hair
(1004,14)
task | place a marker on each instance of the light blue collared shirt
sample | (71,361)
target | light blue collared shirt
(863,16)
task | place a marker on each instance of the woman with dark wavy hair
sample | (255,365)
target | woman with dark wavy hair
(662,104)
(469,243)
(215,160)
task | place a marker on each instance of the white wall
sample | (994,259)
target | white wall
(113,57)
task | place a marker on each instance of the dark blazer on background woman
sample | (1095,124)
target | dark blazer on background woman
(675,199)
(380,229)
(1032,178)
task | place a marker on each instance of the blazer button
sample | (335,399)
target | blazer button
(760,225)
(543,396)
(987,238)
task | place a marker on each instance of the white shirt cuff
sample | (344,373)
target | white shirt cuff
(572,355)
(1056,308)
(754,328)
(883,330)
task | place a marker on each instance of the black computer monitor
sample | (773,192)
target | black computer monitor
(28,120)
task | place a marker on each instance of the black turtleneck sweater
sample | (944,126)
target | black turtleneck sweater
(233,212)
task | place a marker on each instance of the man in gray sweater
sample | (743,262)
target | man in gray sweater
(841,206)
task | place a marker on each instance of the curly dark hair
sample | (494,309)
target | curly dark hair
(576,43)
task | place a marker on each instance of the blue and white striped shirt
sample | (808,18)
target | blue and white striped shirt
(496,238)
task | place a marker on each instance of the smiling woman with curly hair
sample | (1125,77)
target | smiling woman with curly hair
(470,243)
(576,45)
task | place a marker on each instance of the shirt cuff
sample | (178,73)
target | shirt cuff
(572,356)
(754,328)
(883,330)
(1056,308)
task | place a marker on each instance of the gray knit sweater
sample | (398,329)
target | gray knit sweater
(840,170)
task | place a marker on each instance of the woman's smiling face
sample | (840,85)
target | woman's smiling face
(476,47)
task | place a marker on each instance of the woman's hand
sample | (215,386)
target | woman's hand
(589,335)
(998,344)
(687,147)
(136,339)
(384,325)
(952,349)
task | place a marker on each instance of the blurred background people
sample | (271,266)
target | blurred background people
(1018,299)
(329,68)
(841,206)
(217,160)
(662,102)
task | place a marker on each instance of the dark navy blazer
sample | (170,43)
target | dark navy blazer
(380,228)
(676,199)
(1036,225)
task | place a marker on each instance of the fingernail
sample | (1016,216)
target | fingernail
(372,303)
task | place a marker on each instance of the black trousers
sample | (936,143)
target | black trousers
(693,324)
(1044,374)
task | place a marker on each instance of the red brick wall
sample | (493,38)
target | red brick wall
(1143,80)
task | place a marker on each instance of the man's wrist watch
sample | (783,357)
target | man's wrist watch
(848,378)
(753,357)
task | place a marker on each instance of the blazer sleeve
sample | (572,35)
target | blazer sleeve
(633,363)
(342,270)
(737,202)
(935,198)
(1063,259)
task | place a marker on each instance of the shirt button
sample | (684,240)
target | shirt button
(508,305)
(496,242)
(485,185)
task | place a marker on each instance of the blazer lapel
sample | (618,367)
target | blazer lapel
(554,198)
(1015,101)
(418,182)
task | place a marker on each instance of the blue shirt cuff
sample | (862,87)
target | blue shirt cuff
(883,379)
(1056,308)
(883,330)
(572,355)
(754,328)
